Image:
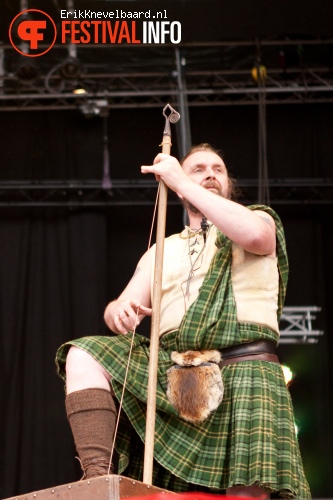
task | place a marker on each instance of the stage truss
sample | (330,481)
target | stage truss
(144,76)
(296,325)
(138,192)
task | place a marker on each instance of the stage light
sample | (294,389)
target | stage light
(89,109)
(259,73)
(71,69)
(27,71)
(288,374)
(94,107)
(79,91)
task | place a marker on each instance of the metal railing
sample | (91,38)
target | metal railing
(296,325)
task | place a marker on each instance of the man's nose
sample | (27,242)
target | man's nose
(210,174)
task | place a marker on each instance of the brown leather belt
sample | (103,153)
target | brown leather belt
(259,350)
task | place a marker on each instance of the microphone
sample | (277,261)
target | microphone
(204,228)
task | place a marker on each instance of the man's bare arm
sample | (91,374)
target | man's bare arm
(134,303)
(243,226)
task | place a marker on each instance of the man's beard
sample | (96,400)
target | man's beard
(191,208)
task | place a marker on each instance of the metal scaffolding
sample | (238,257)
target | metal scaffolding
(138,192)
(192,74)
(296,325)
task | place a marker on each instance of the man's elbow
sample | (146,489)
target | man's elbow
(261,244)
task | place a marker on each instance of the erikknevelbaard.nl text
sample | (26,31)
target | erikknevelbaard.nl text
(118,26)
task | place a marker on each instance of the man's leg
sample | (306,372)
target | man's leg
(91,411)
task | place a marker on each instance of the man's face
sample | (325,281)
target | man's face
(208,169)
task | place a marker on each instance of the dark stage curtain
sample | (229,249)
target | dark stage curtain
(52,288)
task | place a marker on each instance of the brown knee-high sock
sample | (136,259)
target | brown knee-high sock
(92,415)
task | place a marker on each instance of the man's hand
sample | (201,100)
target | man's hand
(168,169)
(123,315)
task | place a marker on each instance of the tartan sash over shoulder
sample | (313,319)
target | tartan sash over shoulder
(214,310)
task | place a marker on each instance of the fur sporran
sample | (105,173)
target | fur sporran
(194,385)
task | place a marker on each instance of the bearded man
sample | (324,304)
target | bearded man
(224,419)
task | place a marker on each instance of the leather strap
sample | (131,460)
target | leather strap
(250,357)
(246,348)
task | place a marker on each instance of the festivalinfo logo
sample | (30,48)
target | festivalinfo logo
(31,28)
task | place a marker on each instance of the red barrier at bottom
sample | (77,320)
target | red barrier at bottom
(197,496)
(114,487)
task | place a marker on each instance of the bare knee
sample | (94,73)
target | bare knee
(84,372)
(79,360)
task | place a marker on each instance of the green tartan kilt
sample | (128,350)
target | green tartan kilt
(249,439)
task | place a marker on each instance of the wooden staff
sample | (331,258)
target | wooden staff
(172,117)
